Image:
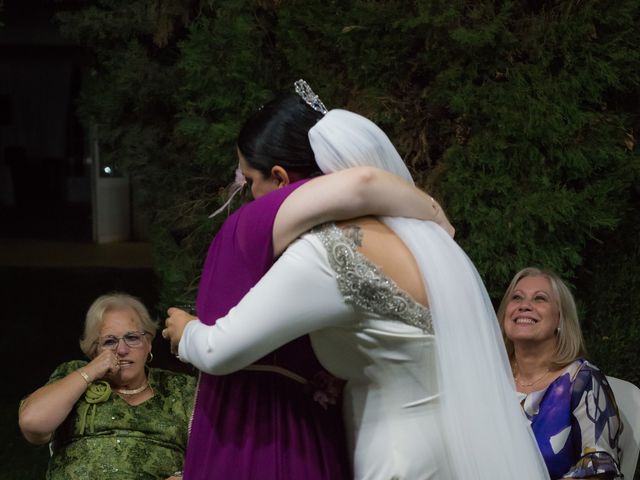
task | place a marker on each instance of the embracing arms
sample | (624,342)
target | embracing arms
(296,296)
(352,193)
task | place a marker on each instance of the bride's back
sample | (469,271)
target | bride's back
(384,248)
(387,355)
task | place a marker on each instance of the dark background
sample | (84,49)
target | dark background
(45,217)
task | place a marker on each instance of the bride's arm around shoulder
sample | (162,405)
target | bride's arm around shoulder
(352,193)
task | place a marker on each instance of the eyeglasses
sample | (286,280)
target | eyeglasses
(131,339)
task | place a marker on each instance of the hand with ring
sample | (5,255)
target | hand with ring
(175,322)
(104,364)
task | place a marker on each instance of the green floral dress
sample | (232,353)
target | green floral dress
(105,437)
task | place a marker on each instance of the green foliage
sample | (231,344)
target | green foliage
(610,283)
(541,157)
(519,115)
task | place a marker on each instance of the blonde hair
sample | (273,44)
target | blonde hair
(106,303)
(569,340)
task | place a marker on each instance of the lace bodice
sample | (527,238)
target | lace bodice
(365,286)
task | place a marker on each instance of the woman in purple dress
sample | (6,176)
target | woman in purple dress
(568,401)
(277,418)
(410,410)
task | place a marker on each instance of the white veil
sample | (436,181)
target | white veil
(486,432)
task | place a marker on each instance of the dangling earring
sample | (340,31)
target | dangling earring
(150,359)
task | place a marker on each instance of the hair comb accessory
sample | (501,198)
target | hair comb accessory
(304,90)
(238,184)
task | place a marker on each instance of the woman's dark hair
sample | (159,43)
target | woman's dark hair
(278,134)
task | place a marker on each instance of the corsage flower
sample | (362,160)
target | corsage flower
(97,392)
(325,388)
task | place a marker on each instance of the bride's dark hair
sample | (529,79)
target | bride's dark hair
(278,134)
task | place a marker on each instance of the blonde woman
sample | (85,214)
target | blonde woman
(113,416)
(567,399)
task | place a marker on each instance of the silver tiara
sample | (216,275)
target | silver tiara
(304,90)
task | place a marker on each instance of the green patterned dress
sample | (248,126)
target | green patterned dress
(112,439)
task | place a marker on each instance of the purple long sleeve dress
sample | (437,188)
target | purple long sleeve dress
(258,424)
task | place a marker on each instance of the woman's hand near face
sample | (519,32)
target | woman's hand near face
(175,323)
(103,366)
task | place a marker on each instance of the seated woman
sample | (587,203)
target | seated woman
(568,401)
(112,417)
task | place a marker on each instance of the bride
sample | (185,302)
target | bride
(394,307)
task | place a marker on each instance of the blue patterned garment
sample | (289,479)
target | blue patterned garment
(576,424)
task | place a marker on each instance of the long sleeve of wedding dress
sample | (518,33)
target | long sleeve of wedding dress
(365,330)
(298,295)
(301,294)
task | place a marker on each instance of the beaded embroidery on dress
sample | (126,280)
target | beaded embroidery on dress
(365,286)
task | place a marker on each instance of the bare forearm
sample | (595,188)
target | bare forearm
(382,193)
(348,194)
(45,409)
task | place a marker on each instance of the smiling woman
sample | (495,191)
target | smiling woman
(112,416)
(557,386)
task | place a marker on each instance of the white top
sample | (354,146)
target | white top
(363,329)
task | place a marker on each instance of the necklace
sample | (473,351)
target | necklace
(532,383)
(124,391)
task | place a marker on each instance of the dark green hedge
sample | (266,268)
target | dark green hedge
(519,115)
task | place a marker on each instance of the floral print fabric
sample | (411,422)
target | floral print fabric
(108,438)
(576,423)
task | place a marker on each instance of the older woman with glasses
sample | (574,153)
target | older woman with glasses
(112,417)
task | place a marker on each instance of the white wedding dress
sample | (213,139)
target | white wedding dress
(417,405)
(364,329)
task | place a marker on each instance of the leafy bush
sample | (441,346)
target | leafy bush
(519,115)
